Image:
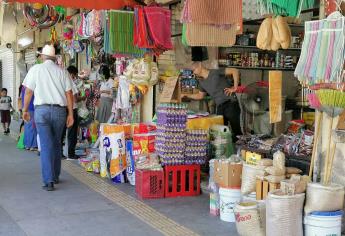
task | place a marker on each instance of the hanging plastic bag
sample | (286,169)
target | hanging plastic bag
(154,74)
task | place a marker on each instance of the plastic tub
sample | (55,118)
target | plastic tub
(323,223)
(228,199)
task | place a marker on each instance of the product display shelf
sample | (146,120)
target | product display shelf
(254,47)
(258,68)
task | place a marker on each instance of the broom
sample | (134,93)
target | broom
(333,103)
(314,102)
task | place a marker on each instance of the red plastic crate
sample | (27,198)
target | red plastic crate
(182,180)
(149,184)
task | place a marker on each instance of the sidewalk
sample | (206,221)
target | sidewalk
(85,204)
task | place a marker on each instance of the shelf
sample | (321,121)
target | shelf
(254,47)
(258,68)
(259,21)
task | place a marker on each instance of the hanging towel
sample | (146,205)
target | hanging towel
(207,35)
(217,12)
(159,25)
(121,33)
(142,38)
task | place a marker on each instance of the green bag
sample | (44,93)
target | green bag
(20,144)
(184,38)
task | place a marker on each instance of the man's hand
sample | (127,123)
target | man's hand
(26,116)
(70,121)
(230,91)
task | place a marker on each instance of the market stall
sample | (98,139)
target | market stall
(232,112)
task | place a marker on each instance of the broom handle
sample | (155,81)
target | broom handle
(328,151)
(329,172)
(317,135)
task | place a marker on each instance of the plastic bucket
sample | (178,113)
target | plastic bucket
(228,199)
(317,224)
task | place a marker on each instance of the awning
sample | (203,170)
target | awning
(87,4)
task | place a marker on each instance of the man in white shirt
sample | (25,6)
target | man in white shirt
(53,103)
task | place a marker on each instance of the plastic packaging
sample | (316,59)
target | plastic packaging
(324,198)
(248,219)
(279,160)
(284,214)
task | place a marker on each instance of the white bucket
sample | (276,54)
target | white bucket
(228,199)
(316,225)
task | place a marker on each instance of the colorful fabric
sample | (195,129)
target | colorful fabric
(87,4)
(199,35)
(284,7)
(323,52)
(215,12)
(121,33)
(159,24)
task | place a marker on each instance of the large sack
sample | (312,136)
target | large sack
(265,34)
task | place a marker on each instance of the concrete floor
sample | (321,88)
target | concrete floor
(75,209)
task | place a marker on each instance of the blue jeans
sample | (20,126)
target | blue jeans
(50,122)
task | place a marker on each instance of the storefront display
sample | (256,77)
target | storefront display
(188,141)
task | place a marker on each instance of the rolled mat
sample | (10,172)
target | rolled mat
(200,35)
(218,12)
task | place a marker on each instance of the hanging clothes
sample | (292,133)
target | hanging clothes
(123,95)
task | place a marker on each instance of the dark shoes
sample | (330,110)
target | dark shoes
(6,132)
(57,181)
(48,187)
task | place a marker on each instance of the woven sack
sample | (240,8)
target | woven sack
(248,219)
(249,173)
(324,198)
(284,214)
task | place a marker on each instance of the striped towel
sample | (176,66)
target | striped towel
(207,35)
(216,12)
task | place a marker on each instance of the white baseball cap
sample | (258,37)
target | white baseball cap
(48,50)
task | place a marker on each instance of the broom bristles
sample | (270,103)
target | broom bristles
(314,101)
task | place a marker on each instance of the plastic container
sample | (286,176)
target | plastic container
(182,180)
(321,223)
(228,199)
(149,183)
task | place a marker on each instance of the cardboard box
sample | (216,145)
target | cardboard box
(143,143)
(227,174)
